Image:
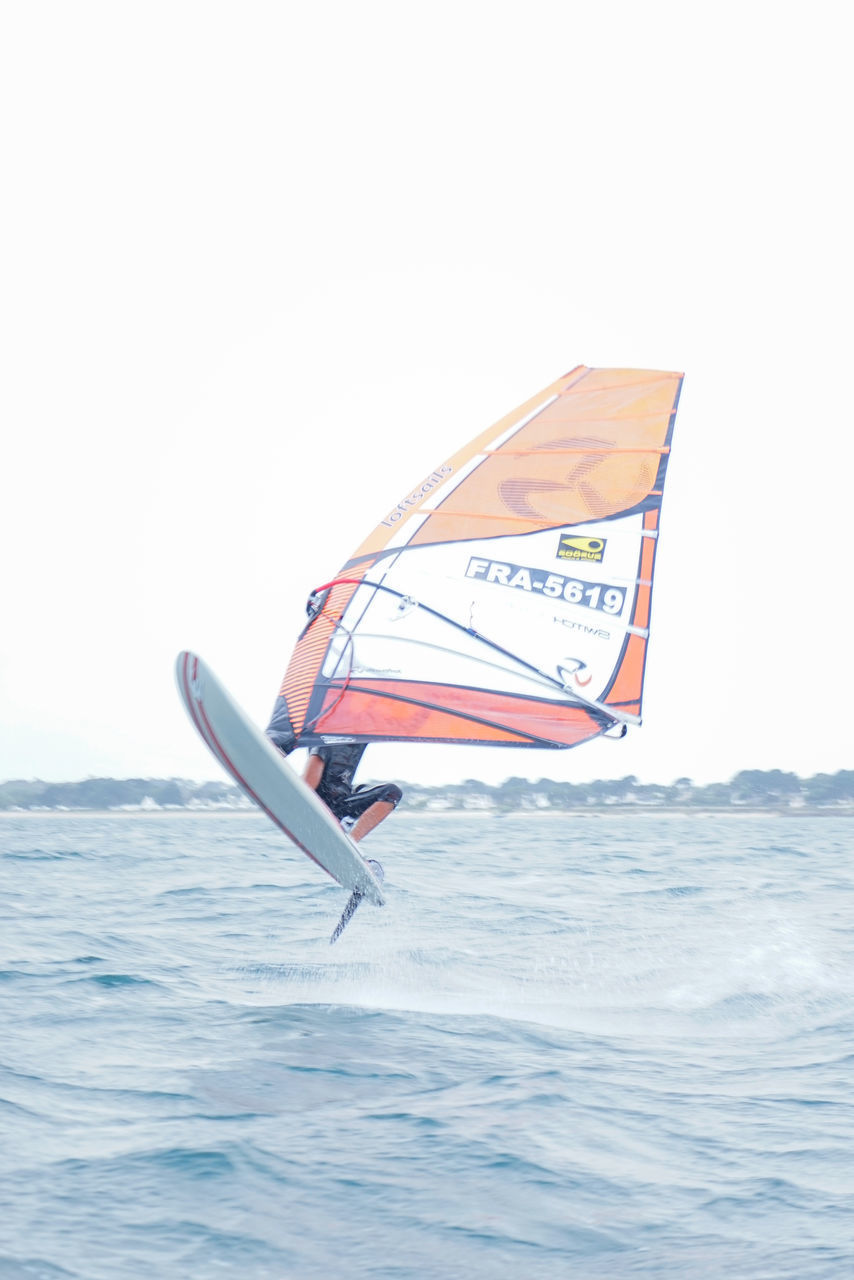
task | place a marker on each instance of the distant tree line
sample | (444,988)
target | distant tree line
(119,793)
(751,789)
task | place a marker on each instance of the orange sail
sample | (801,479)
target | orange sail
(506,599)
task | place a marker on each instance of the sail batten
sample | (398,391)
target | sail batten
(530,453)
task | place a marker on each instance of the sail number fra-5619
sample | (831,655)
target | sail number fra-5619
(590,595)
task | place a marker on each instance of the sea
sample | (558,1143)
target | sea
(610,1044)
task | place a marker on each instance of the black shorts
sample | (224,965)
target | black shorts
(361,799)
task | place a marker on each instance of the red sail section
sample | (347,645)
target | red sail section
(405,710)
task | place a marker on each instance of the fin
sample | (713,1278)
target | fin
(354,900)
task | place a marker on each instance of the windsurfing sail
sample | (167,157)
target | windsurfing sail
(505,600)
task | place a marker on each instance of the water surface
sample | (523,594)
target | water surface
(597,1046)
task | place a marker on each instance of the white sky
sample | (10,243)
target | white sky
(265,265)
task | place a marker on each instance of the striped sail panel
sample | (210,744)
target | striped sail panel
(307,658)
(506,600)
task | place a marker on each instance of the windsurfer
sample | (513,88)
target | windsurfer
(329,771)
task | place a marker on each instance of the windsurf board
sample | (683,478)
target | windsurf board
(263,773)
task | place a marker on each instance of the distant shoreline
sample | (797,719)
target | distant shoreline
(606,811)
(751,791)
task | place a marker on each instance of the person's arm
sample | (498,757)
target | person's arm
(313,772)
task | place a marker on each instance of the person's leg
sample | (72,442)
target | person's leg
(371,818)
(368,806)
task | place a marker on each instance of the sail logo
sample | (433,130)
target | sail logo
(599,632)
(412,500)
(574,546)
